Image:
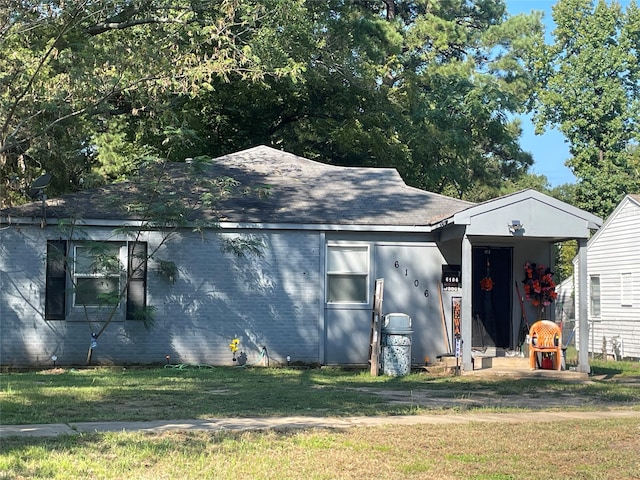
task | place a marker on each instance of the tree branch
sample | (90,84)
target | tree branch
(37,70)
(108,26)
(391,9)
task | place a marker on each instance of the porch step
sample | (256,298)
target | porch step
(442,366)
(500,362)
(450,361)
(438,368)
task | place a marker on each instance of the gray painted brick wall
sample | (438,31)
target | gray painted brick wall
(271,301)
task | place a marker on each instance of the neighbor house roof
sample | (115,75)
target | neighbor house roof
(633,199)
(300,191)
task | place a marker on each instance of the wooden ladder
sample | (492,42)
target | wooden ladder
(376,328)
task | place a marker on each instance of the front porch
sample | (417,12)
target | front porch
(495,242)
(497,362)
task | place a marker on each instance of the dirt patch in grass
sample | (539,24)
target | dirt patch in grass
(447,399)
(53,371)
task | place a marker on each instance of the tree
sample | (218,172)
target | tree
(158,203)
(71,67)
(589,85)
(426,88)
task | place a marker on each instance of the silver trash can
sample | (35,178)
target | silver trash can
(395,341)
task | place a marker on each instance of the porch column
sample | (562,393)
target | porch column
(583,321)
(466,327)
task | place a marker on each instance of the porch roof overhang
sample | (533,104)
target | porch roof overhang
(527,214)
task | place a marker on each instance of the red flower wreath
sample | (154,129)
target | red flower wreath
(539,287)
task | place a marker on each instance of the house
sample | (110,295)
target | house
(317,236)
(565,310)
(613,271)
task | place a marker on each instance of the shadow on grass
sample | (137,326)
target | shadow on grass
(609,372)
(157,445)
(129,394)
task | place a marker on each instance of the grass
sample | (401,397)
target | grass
(598,449)
(603,449)
(64,396)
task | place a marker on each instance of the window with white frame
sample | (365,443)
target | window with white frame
(594,295)
(96,274)
(626,289)
(347,273)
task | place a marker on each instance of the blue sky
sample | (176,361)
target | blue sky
(550,151)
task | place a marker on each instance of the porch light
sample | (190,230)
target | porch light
(515,226)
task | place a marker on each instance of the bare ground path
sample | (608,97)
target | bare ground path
(286,423)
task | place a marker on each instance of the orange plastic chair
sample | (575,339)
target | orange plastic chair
(545,337)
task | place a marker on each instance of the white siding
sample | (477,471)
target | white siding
(613,251)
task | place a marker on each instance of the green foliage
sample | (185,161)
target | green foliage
(589,85)
(428,93)
(81,80)
(168,270)
(146,315)
(243,245)
(427,87)
(565,252)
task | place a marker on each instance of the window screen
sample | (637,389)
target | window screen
(96,274)
(347,274)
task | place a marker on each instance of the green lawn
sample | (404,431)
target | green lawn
(599,449)
(103,394)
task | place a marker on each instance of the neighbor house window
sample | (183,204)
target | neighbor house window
(96,273)
(594,295)
(626,289)
(347,273)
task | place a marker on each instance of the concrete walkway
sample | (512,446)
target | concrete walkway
(259,423)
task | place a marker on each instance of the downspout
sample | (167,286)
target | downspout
(466,328)
(583,325)
(322,295)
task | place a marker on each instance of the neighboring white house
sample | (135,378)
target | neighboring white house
(613,269)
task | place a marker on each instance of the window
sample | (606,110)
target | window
(594,295)
(347,274)
(96,274)
(92,274)
(626,290)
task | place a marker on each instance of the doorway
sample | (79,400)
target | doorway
(491,297)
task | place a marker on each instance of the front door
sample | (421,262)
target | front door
(491,297)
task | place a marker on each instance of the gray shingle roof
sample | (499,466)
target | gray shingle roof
(301,191)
